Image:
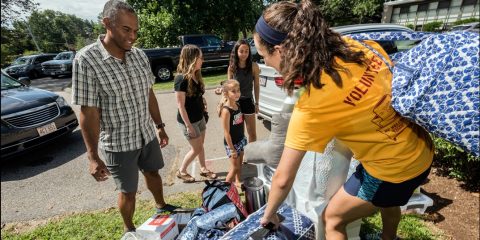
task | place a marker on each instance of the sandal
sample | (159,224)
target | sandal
(208,174)
(187,178)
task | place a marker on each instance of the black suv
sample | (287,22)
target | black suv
(29,66)
(60,65)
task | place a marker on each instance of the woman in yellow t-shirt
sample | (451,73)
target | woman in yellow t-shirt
(346,96)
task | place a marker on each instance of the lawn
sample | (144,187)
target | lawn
(211,78)
(107,224)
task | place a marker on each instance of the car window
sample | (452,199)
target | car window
(63,56)
(213,41)
(9,83)
(21,60)
(398,46)
(195,40)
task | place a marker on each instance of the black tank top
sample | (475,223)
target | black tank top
(245,77)
(236,125)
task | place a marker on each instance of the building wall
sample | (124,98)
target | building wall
(420,12)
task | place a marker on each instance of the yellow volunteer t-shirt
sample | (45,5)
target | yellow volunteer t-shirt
(360,115)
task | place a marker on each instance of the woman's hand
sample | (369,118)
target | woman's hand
(191,131)
(265,220)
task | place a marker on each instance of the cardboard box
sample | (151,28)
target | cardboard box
(159,227)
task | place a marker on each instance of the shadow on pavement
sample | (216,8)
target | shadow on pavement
(44,158)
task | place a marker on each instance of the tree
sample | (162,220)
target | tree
(13,8)
(162,21)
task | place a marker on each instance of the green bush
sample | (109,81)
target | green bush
(433,26)
(463,21)
(411,26)
(454,162)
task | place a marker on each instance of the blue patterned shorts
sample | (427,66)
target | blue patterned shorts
(238,147)
(382,193)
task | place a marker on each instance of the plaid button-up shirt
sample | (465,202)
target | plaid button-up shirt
(121,90)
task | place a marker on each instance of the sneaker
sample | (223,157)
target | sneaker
(376,236)
(166,209)
(131,235)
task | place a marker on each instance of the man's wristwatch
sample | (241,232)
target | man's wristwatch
(160,125)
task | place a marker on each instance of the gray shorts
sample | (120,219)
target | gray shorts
(199,127)
(124,166)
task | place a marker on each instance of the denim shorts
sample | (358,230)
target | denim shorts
(382,193)
(124,166)
(238,147)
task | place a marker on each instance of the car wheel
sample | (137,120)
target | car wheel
(33,74)
(164,73)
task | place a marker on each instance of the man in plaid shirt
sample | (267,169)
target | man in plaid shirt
(112,81)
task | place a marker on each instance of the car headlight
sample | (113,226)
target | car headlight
(23,69)
(64,67)
(61,102)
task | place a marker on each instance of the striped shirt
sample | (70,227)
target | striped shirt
(121,90)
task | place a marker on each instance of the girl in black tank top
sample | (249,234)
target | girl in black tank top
(232,122)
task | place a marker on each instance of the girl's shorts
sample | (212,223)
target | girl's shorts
(238,147)
(382,193)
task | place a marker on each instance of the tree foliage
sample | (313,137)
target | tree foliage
(162,21)
(14,8)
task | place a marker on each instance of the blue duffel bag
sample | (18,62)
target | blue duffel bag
(436,84)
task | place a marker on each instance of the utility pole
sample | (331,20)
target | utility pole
(33,37)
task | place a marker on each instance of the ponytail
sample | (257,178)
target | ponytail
(310,46)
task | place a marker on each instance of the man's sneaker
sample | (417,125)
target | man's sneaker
(131,235)
(376,236)
(166,209)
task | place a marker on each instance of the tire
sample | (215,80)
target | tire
(33,74)
(164,73)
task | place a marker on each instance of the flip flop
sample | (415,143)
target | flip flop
(167,208)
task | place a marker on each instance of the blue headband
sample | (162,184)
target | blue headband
(269,34)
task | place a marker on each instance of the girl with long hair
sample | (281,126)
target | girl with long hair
(189,90)
(345,94)
(229,110)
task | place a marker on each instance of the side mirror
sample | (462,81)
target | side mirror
(25,80)
(222,44)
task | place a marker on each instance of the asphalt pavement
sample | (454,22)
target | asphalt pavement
(54,180)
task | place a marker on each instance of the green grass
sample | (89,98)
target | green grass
(107,224)
(411,227)
(211,78)
(104,224)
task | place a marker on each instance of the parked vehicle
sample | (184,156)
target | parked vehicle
(271,94)
(29,66)
(473,27)
(60,65)
(163,61)
(31,117)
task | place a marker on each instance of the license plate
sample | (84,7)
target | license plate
(263,81)
(44,130)
(52,73)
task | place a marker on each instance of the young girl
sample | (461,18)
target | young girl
(189,90)
(232,121)
(246,72)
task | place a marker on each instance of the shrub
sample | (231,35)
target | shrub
(433,26)
(454,162)
(410,26)
(463,21)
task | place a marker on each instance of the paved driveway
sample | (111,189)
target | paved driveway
(55,181)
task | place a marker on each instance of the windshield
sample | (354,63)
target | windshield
(9,83)
(20,61)
(64,56)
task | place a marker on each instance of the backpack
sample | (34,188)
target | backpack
(217,193)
